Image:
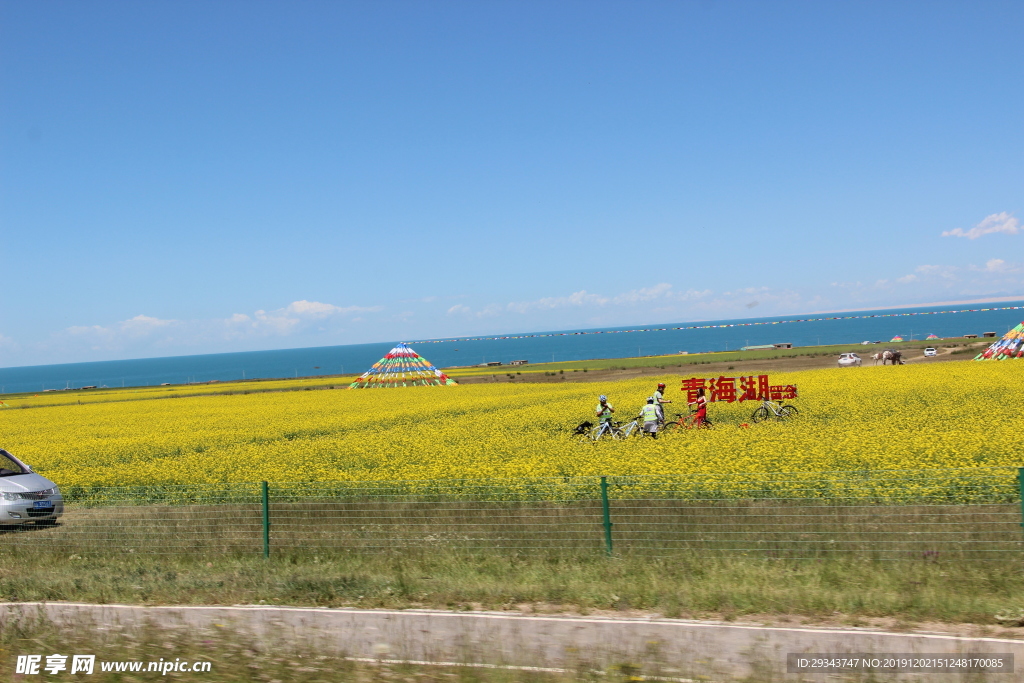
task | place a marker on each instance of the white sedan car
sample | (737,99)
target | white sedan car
(930,352)
(25,496)
(848,360)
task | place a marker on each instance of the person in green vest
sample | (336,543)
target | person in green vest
(604,412)
(650,415)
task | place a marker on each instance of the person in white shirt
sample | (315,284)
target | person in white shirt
(660,401)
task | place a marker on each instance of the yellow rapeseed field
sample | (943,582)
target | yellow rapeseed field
(954,414)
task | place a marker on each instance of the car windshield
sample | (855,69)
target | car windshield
(9,468)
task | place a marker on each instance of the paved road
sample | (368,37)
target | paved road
(681,648)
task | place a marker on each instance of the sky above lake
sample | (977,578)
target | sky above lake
(199,177)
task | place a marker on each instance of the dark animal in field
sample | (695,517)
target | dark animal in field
(583,428)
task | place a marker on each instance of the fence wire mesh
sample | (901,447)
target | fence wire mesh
(931,514)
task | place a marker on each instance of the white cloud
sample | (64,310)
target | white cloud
(643,305)
(316,309)
(139,327)
(580,298)
(946,272)
(996,222)
(995,279)
(662,292)
(997,266)
(7,344)
(145,333)
(275,322)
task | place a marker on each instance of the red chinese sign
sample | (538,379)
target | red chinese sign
(729,389)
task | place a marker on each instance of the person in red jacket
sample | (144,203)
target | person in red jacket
(701,406)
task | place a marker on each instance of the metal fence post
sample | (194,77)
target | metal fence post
(607,516)
(266,519)
(1020,483)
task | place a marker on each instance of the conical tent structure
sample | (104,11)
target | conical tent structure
(932,336)
(896,339)
(1010,346)
(402,367)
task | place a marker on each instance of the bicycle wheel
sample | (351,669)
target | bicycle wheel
(760,415)
(792,410)
(671,427)
(786,412)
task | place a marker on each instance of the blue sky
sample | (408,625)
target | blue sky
(192,177)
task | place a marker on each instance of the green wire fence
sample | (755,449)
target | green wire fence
(969,513)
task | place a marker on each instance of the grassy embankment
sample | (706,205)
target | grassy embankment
(928,588)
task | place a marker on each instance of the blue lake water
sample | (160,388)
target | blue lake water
(622,342)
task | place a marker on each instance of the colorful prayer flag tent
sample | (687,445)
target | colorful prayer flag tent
(1010,346)
(932,336)
(402,367)
(896,338)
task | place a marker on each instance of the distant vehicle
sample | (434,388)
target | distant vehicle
(848,360)
(866,343)
(930,352)
(25,496)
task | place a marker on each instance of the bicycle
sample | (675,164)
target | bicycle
(632,428)
(769,411)
(588,433)
(686,421)
(636,428)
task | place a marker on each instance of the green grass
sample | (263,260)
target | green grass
(678,556)
(681,361)
(686,586)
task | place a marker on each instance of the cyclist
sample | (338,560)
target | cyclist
(651,418)
(660,401)
(604,412)
(701,408)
